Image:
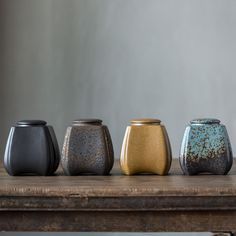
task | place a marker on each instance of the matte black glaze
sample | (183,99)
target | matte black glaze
(87,148)
(30,122)
(31,148)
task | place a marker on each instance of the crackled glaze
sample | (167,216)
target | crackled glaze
(146,148)
(206,148)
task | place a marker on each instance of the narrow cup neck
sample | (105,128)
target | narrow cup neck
(204,121)
(26,123)
(80,122)
(138,122)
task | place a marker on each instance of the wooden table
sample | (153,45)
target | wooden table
(119,203)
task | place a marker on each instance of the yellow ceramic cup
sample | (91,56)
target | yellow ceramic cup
(146,148)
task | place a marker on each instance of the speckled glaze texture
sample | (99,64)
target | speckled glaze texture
(146,148)
(206,148)
(87,148)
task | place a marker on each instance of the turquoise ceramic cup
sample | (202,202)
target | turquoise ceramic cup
(206,148)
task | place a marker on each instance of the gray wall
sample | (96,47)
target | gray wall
(117,60)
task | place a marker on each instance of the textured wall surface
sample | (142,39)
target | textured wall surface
(117,60)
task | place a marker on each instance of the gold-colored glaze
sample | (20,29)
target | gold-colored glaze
(146,148)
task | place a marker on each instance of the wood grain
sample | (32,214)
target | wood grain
(178,221)
(119,203)
(175,184)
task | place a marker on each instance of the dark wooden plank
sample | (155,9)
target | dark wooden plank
(176,221)
(116,203)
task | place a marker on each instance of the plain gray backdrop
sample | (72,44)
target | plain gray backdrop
(117,60)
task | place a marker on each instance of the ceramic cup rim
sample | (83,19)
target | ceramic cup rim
(145,121)
(205,121)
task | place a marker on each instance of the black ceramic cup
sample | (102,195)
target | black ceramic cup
(31,148)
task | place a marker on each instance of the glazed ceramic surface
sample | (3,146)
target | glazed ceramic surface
(31,148)
(87,148)
(146,148)
(206,148)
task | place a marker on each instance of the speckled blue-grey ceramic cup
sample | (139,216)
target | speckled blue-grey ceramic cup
(206,148)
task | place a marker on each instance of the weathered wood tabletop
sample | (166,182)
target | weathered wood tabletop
(119,203)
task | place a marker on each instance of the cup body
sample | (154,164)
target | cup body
(146,148)
(87,148)
(31,148)
(206,148)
